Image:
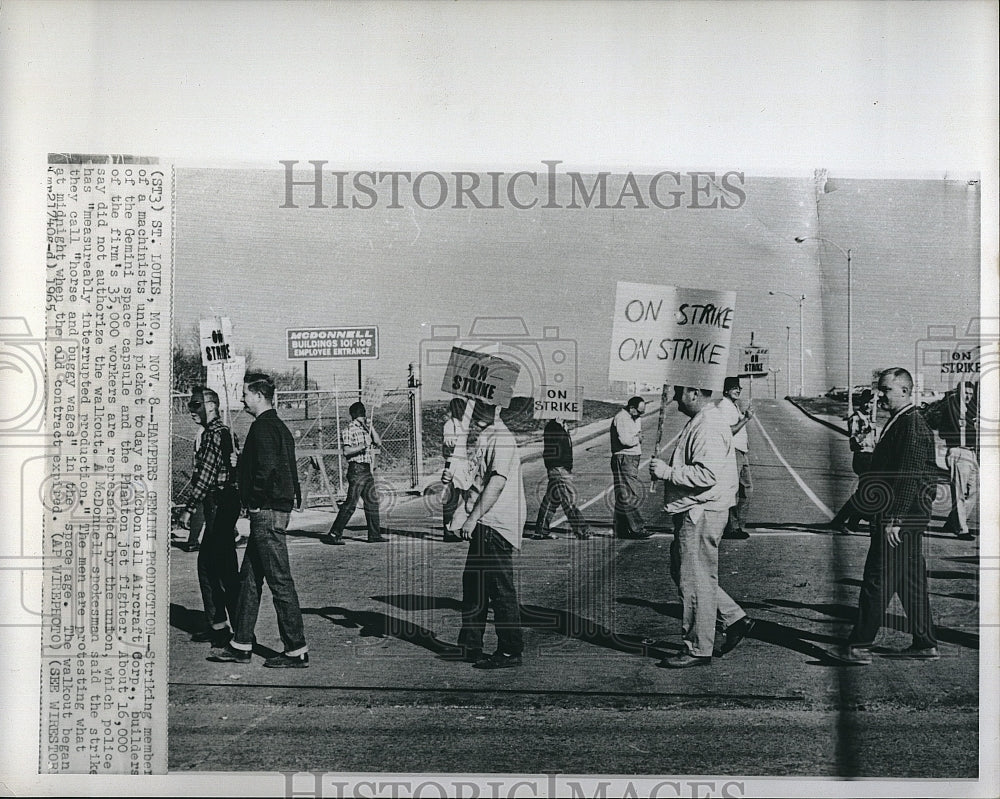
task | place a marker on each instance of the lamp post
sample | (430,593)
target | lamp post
(800,299)
(788,361)
(847,253)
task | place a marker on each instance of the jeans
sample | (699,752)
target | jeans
(196,524)
(488,580)
(560,491)
(218,571)
(894,570)
(694,567)
(964,481)
(744,492)
(267,558)
(360,484)
(628,495)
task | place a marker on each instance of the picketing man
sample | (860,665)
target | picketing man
(903,474)
(700,483)
(626,450)
(213,491)
(269,487)
(360,444)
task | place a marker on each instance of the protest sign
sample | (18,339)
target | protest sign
(225,378)
(559,402)
(216,339)
(665,334)
(373,393)
(480,375)
(754,361)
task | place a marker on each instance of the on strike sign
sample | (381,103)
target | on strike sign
(216,338)
(560,402)
(665,334)
(479,375)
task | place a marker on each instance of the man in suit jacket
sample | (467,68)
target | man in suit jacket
(898,490)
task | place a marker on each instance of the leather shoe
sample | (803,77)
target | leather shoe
(284,661)
(334,540)
(190,546)
(380,540)
(227,654)
(735,633)
(685,660)
(498,660)
(915,653)
(544,536)
(738,535)
(642,535)
(219,638)
(451,538)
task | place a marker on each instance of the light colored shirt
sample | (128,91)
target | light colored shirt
(496,453)
(626,434)
(357,435)
(733,415)
(701,473)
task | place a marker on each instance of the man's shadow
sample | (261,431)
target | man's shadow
(192,621)
(373,624)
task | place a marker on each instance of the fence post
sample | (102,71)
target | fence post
(417,436)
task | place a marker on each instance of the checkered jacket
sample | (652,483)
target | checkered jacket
(903,473)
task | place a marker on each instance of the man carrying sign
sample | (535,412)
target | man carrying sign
(700,487)
(957,427)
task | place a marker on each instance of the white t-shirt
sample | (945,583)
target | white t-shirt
(733,415)
(496,453)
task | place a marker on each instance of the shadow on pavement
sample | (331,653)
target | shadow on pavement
(379,625)
(420,602)
(190,621)
(580,628)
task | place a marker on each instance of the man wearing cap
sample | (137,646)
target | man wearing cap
(269,487)
(738,419)
(493,528)
(360,444)
(626,449)
(700,484)
(213,488)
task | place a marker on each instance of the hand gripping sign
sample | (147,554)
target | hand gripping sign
(670,335)
(476,374)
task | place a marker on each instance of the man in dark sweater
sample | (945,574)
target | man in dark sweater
(902,479)
(269,488)
(557,453)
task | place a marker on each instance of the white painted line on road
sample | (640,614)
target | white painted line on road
(795,475)
(562,518)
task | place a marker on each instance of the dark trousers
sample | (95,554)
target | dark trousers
(218,571)
(894,570)
(488,580)
(196,524)
(852,513)
(560,491)
(628,495)
(267,558)
(360,484)
(451,498)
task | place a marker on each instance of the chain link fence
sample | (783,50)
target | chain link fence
(317,419)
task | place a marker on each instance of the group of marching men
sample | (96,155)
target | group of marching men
(706,487)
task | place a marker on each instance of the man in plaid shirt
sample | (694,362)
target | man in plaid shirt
(360,444)
(902,477)
(213,485)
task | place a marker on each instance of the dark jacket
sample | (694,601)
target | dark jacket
(902,479)
(950,423)
(266,471)
(557,447)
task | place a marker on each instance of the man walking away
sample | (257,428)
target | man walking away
(360,444)
(557,453)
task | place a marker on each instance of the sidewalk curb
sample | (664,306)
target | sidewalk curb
(819,419)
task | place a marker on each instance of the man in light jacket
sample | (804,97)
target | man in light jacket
(700,482)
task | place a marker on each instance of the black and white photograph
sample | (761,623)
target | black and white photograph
(452,399)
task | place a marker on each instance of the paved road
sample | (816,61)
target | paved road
(600,614)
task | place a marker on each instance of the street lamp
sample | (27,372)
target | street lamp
(847,253)
(788,361)
(800,299)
